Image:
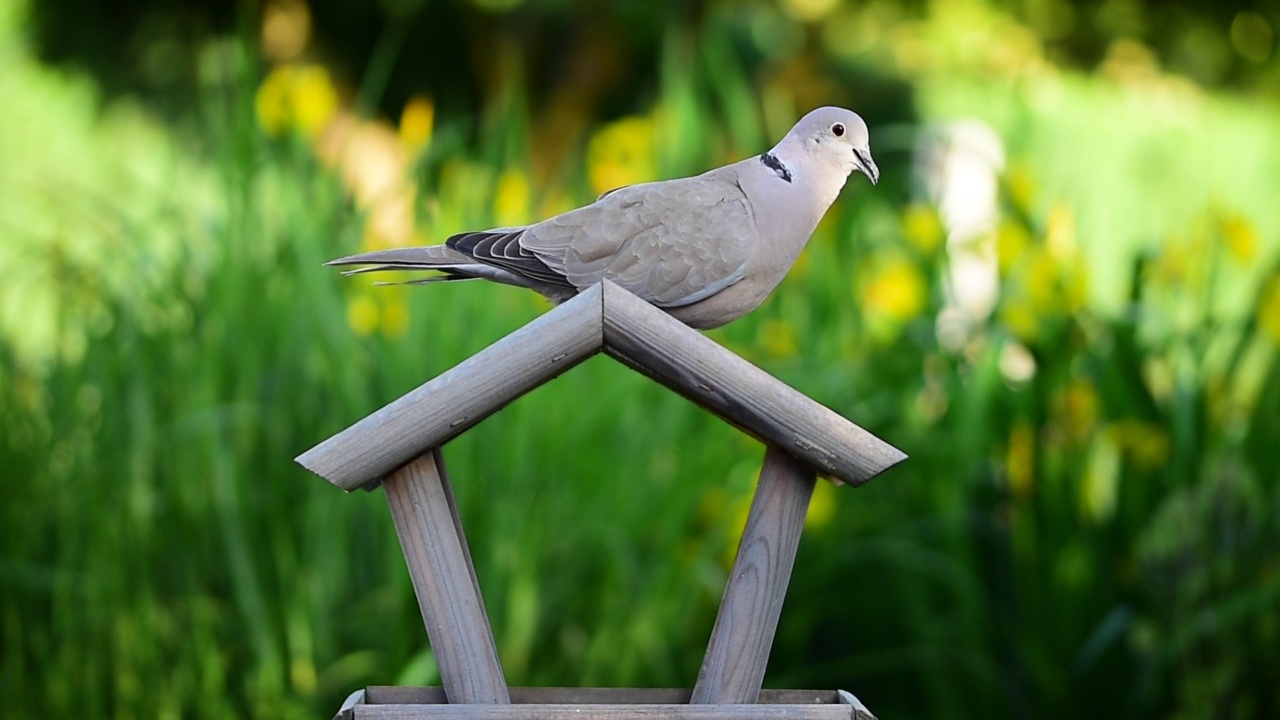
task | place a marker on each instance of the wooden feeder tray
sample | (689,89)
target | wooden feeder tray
(398,447)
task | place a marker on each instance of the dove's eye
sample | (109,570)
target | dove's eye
(837,129)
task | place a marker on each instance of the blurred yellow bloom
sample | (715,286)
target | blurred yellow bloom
(1060,232)
(1012,240)
(286,29)
(1240,237)
(417,123)
(271,104)
(1021,321)
(362,314)
(1170,267)
(1020,185)
(1043,281)
(314,99)
(922,228)
(621,153)
(1077,405)
(739,509)
(1146,444)
(1150,447)
(809,10)
(1129,62)
(778,338)
(395,315)
(1269,309)
(1101,479)
(511,198)
(822,506)
(298,97)
(1040,279)
(897,290)
(1020,459)
(804,263)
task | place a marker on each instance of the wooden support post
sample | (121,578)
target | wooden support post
(430,531)
(738,652)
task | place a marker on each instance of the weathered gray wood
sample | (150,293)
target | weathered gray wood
(443,579)
(438,455)
(406,695)
(358,698)
(453,402)
(860,711)
(738,652)
(603,712)
(657,345)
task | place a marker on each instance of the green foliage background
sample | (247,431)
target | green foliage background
(1089,519)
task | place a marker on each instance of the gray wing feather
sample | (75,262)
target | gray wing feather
(671,243)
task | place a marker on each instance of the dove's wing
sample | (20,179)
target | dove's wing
(670,243)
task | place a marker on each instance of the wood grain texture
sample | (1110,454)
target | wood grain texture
(655,344)
(406,695)
(600,712)
(738,652)
(444,581)
(456,400)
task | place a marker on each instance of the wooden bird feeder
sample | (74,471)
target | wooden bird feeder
(399,447)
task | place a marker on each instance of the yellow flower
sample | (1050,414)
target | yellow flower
(1150,447)
(1060,232)
(895,293)
(1269,309)
(897,290)
(1020,185)
(395,315)
(621,153)
(362,315)
(1078,406)
(417,122)
(1012,240)
(313,99)
(739,509)
(822,506)
(1042,285)
(1020,459)
(1040,279)
(1146,444)
(300,97)
(1101,478)
(922,228)
(270,104)
(286,29)
(1241,238)
(809,10)
(511,198)
(778,338)
(1021,321)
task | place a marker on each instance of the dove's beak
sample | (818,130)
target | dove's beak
(868,166)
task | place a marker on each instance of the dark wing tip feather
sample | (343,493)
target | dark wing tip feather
(502,249)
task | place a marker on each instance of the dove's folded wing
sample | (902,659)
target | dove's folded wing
(671,243)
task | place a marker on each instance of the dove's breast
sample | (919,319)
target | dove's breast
(784,215)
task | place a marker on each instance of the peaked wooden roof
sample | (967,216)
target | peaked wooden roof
(603,318)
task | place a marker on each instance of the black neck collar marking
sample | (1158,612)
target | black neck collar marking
(773,163)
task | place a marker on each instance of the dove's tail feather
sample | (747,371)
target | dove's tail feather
(430,257)
(451,265)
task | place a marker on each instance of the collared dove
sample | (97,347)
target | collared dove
(707,249)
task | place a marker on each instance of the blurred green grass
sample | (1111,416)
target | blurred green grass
(1096,535)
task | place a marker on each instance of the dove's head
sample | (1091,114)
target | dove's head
(832,136)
